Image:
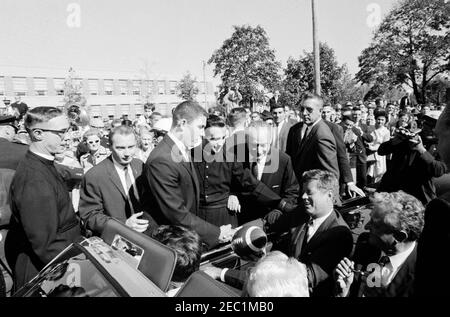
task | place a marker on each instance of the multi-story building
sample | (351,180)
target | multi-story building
(107,93)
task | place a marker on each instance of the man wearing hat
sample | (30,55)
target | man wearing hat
(12,153)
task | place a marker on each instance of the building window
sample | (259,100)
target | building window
(2,86)
(161,87)
(123,87)
(136,87)
(20,86)
(93,87)
(108,85)
(173,87)
(40,86)
(59,86)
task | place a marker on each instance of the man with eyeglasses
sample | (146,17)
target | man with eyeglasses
(311,144)
(43,221)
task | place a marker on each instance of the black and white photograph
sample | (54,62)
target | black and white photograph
(225,149)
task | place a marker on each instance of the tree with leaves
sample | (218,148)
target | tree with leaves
(410,47)
(247,59)
(299,76)
(187,88)
(73,91)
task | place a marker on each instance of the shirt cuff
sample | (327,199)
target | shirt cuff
(222,274)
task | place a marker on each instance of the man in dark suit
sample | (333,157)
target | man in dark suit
(221,178)
(318,235)
(311,144)
(436,233)
(173,181)
(11,153)
(346,177)
(273,168)
(283,125)
(275,99)
(385,259)
(117,188)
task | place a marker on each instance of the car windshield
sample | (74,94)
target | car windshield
(71,274)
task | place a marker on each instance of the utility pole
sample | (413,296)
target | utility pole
(316,49)
(204,83)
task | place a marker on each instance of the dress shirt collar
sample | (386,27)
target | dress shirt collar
(398,259)
(316,222)
(180,145)
(312,125)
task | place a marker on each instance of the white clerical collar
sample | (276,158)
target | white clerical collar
(46,156)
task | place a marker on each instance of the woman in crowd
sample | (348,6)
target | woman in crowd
(145,142)
(97,153)
(377,165)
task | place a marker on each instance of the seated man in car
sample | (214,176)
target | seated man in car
(187,245)
(384,261)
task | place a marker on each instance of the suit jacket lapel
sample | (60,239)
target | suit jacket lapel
(308,137)
(323,227)
(114,176)
(298,238)
(404,274)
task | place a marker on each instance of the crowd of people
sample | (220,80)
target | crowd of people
(191,180)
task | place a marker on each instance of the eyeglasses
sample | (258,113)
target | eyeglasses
(60,133)
(94,142)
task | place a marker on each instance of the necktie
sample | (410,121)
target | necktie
(386,271)
(305,134)
(309,231)
(255,169)
(130,191)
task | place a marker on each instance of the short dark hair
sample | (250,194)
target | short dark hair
(215,121)
(149,105)
(189,111)
(41,114)
(236,117)
(127,123)
(122,130)
(325,179)
(187,245)
(380,113)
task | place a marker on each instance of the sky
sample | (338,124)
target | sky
(173,36)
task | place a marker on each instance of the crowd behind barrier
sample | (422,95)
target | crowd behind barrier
(192,180)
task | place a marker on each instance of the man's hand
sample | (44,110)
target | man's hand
(417,144)
(286,206)
(212,271)
(233,204)
(139,225)
(344,277)
(354,190)
(226,233)
(272,216)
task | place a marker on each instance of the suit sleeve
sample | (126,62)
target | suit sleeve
(386,148)
(243,178)
(163,181)
(290,184)
(324,260)
(91,205)
(435,168)
(236,278)
(290,138)
(344,165)
(39,215)
(326,152)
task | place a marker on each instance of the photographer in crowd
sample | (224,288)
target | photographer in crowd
(412,167)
